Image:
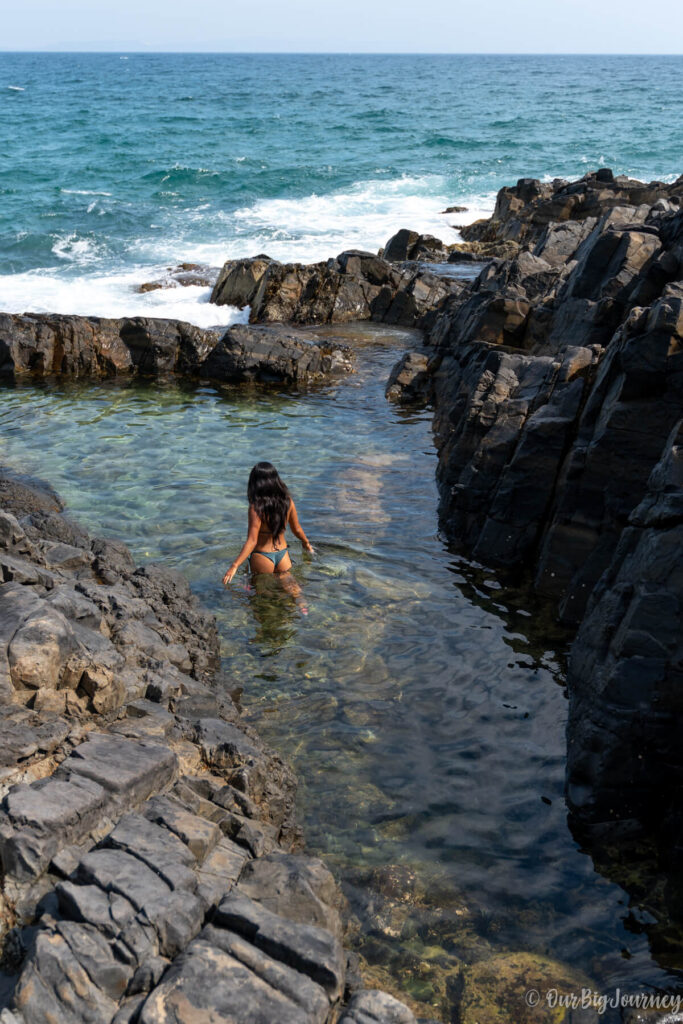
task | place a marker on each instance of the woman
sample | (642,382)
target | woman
(271,510)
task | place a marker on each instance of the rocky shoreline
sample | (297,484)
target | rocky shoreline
(556,379)
(151,864)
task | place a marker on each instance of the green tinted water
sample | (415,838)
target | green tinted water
(421,703)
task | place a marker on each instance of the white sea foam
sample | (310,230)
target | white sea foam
(82,192)
(307,229)
(363,217)
(113,295)
(316,227)
(74,249)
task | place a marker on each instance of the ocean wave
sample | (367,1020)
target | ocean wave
(363,216)
(77,248)
(83,192)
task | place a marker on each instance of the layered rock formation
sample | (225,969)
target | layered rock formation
(354,286)
(148,850)
(524,211)
(79,346)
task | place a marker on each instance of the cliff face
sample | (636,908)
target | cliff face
(149,864)
(558,388)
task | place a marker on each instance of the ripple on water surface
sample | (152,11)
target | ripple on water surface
(421,703)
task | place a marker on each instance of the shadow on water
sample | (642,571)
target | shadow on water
(421,701)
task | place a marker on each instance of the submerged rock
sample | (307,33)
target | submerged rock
(184,275)
(523,988)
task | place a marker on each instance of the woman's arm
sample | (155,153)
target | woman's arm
(253,527)
(297,529)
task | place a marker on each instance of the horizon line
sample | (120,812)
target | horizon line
(344,53)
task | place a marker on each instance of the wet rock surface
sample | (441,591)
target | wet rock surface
(184,275)
(77,346)
(146,835)
(410,380)
(354,286)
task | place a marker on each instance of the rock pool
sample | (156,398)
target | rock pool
(421,701)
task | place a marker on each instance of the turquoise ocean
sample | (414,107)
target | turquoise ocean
(113,166)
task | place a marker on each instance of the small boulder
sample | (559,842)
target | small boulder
(239,280)
(400,246)
(409,380)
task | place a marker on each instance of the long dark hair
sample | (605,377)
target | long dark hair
(269,496)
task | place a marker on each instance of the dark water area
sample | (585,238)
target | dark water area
(421,701)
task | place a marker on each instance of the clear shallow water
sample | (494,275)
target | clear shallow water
(112,169)
(421,703)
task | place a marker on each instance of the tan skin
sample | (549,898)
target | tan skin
(259,537)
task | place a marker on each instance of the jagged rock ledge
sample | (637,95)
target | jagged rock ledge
(79,346)
(355,285)
(150,861)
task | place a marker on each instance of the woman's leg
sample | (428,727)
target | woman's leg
(289,584)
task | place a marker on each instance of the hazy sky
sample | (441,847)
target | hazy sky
(394,26)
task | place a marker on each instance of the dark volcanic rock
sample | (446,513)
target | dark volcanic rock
(354,286)
(409,245)
(626,666)
(79,346)
(238,281)
(400,246)
(550,368)
(409,380)
(94,346)
(524,211)
(275,354)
